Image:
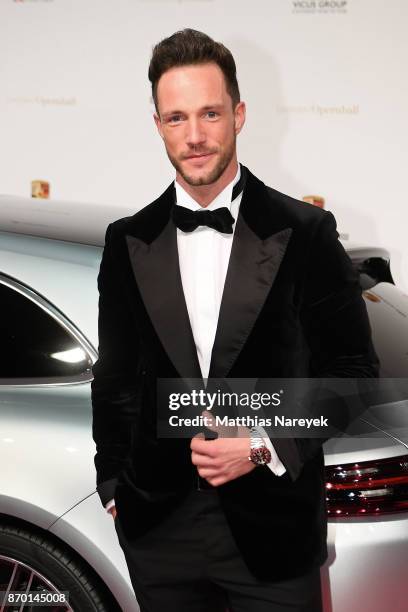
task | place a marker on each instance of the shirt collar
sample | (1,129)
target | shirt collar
(222,199)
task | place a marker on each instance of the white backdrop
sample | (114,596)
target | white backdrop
(325,84)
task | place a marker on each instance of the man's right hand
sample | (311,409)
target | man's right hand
(110,507)
(112,510)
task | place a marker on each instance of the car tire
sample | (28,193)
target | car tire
(62,567)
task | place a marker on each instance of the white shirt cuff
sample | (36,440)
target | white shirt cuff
(275,463)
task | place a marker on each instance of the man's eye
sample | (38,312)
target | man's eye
(212,114)
(175,119)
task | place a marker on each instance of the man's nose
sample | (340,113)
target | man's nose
(195,134)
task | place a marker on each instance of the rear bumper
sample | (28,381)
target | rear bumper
(366,570)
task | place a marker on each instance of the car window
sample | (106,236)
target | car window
(33,343)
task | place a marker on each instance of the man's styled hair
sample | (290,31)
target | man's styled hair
(187,47)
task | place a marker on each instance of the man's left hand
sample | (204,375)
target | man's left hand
(223,459)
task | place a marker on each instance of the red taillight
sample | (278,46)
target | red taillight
(367,488)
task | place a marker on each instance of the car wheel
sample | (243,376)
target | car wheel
(34,562)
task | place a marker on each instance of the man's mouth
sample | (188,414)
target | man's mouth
(201,156)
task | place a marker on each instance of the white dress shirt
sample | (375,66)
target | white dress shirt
(203,258)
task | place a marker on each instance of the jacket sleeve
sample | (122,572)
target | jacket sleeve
(335,325)
(115,389)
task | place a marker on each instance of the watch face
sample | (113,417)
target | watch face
(260,456)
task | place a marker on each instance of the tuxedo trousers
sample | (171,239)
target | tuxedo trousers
(190,563)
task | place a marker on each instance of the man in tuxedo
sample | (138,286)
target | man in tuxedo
(220,277)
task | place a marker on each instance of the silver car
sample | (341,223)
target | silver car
(56,540)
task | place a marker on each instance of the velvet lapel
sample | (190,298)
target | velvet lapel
(257,250)
(156,268)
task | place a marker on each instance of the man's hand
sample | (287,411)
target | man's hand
(113,511)
(223,459)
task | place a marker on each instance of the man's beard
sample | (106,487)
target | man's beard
(212,175)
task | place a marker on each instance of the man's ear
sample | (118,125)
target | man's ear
(239,116)
(158,124)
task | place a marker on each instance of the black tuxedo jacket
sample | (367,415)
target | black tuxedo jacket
(291,307)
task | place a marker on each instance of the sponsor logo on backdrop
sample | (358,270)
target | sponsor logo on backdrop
(42,100)
(319,110)
(316,200)
(40,189)
(312,7)
(173,1)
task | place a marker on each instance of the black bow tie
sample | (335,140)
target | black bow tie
(188,220)
(220,219)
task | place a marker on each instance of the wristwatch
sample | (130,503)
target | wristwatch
(259,453)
